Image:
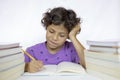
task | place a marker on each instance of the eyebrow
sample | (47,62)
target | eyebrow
(59,32)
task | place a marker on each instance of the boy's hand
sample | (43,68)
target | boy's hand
(34,66)
(74,31)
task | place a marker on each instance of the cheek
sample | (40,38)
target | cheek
(47,35)
(62,40)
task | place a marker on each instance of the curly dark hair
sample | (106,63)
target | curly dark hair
(60,15)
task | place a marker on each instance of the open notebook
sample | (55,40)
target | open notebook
(63,68)
(62,71)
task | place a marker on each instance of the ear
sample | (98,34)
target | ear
(68,36)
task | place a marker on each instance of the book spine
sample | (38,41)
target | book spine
(10,51)
(101,76)
(11,57)
(104,63)
(12,71)
(103,49)
(103,56)
(104,70)
(11,64)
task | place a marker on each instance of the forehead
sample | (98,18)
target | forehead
(58,28)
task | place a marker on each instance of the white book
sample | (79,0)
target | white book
(11,63)
(105,49)
(63,68)
(11,57)
(10,51)
(104,43)
(102,76)
(6,45)
(15,75)
(108,64)
(12,73)
(102,55)
(103,69)
(59,77)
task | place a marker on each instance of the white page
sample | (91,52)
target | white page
(46,70)
(70,68)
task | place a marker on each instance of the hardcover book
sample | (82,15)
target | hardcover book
(63,68)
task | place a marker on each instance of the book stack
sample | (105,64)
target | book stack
(103,59)
(11,61)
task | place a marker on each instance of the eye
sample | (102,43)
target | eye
(51,31)
(62,35)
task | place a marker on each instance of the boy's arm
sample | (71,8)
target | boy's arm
(78,46)
(33,66)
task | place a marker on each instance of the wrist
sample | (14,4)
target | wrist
(72,38)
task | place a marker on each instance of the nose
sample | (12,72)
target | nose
(55,37)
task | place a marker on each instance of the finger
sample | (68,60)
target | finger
(34,64)
(33,61)
(40,63)
(35,69)
(37,65)
(38,68)
(79,31)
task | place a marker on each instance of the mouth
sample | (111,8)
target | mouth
(51,43)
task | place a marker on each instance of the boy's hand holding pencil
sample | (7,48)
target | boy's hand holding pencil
(34,65)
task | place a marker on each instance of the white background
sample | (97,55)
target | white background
(20,20)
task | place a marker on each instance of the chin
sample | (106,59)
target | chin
(51,47)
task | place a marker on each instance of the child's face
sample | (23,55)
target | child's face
(56,35)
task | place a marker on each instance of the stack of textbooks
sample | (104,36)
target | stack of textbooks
(11,61)
(103,59)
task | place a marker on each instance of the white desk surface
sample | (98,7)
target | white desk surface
(58,77)
(49,73)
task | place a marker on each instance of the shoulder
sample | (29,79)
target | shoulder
(69,44)
(36,46)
